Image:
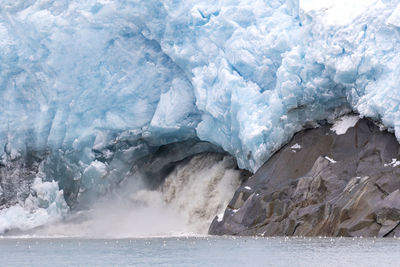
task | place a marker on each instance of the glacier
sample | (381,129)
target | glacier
(97,86)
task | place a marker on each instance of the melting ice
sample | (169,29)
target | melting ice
(88,82)
(186,203)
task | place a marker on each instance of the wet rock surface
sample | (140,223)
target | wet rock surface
(322,183)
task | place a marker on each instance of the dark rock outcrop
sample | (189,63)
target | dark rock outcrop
(322,183)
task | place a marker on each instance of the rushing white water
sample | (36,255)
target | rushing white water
(191,196)
(201,189)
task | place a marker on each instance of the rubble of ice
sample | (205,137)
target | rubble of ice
(77,77)
(393,163)
(296,146)
(342,124)
(44,205)
(330,159)
(192,195)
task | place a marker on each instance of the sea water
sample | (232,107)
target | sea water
(200,251)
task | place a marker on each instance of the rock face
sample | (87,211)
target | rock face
(322,183)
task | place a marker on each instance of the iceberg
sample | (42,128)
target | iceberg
(99,85)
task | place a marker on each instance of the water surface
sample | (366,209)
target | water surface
(200,251)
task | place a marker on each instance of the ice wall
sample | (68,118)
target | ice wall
(244,75)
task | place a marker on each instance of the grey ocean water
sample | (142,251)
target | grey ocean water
(200,251)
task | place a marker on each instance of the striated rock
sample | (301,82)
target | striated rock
(322,183)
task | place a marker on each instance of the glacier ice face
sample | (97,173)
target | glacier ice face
(68,74)
(90,91)
(244,75)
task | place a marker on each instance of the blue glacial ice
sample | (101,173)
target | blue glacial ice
(75,76)
(244,75)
